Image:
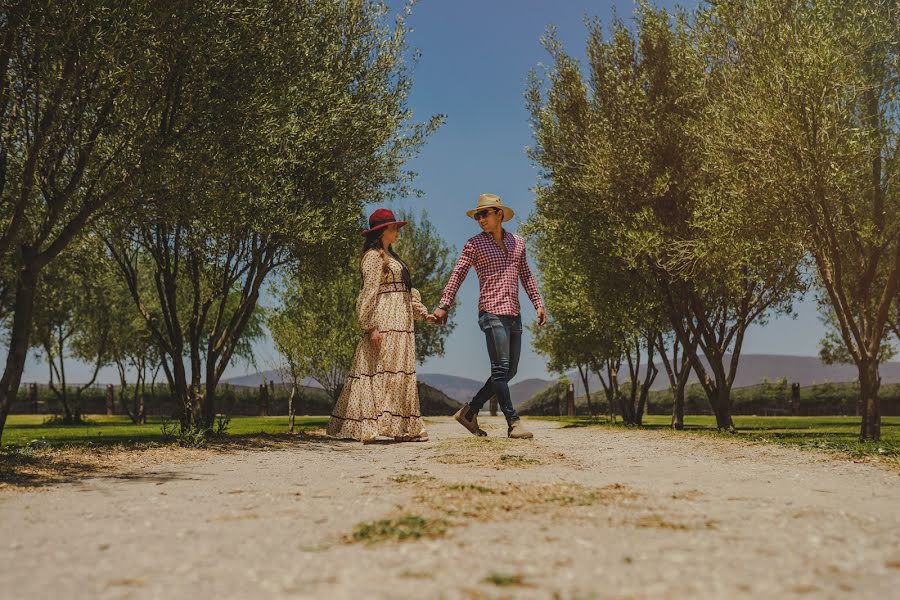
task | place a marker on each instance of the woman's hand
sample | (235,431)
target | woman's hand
(375,339)
(431,319)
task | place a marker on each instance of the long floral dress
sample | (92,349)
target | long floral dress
(380,397)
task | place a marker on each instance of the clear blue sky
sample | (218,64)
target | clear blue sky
(475,57)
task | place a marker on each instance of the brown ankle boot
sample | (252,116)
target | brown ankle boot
(469,419)
(518,431)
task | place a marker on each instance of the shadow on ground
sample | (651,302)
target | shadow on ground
(26,467)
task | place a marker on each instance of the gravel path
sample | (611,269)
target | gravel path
(575,513)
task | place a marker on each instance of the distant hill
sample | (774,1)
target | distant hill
(435,403)
(460,389)
(463,389)
(275,375)
(753,369)
(523,390)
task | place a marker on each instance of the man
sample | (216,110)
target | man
(499,260)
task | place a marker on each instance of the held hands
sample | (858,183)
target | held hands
(439,317)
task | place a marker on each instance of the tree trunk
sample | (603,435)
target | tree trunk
(649,378)
(613,393)
(678,408)
(584,373)
(644,402)
(629,406)
(680,388)
(291,408)
(209,400)
(73,413)
(722,409)
(20,332)
(123,399)
(869,383)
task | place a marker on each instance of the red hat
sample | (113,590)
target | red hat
(380,219)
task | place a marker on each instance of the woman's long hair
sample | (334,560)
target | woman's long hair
(373,242)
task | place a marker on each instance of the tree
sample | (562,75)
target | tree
(71,318)
(77,92)
(805,139)
(622,161)
(297,117)
(132,347)
(314,326)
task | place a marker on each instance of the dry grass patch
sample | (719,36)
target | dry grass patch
(416,575)
(502,579)
(439,506)
(485,500)
(498,453)
(125,581)
(411,478)
(686,495)
(658,521)
(233,518)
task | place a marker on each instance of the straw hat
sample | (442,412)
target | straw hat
(491,201)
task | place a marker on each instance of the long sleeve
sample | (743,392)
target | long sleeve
(419,311)
(466,260)
(367,300)
(529,283)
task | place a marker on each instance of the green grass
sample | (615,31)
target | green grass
(22,429)
(835,434)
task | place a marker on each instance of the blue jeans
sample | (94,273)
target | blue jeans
(503,334)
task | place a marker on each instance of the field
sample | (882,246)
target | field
(22,430)
(834,434)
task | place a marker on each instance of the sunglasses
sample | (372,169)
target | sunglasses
(481,214)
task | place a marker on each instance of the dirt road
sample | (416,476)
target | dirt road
(575,513)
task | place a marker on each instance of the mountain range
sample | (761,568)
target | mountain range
(752,369)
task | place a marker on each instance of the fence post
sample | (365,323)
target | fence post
(109,399)
(493,406)
(570,400)
(33,397)
(795,399)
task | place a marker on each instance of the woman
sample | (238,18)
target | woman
(380,397)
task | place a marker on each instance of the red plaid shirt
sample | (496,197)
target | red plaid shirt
(498,274)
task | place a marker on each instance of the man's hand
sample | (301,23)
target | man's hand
(375,339)
(441,315)
(431,319)
(542,316)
